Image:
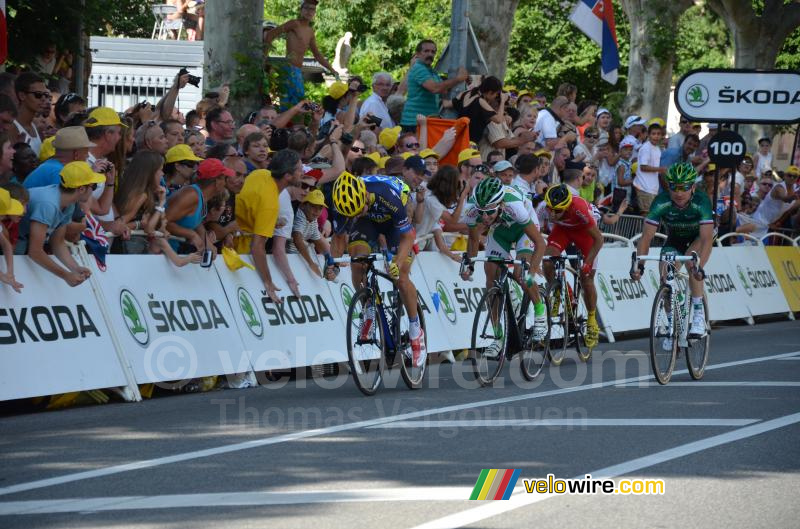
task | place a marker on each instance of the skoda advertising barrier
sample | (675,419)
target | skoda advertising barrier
(624,304)
(742,96)
(434,302)
(172,323)
(453,299)
(53,337)
(762,292)
(786,265)
(300,331)
(725,294)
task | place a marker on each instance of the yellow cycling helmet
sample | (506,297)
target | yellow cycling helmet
(405,194)
(558,197)
(349,194)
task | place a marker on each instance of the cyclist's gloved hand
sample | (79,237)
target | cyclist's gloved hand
(394,270)
(586,269)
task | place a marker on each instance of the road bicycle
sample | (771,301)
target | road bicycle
(567,314)
(502,328)
(378,330)
(673,304)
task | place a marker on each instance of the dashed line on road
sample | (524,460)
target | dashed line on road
(317,432)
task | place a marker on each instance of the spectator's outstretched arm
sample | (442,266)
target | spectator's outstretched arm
(279,254)
(349,117)
(438,239)
(276,32)
(177,260)
(166,104)
(8,252)
(258,250)
(337,159)
(73,275)
(442,87)
(302,248)
(320,57)
(446,142)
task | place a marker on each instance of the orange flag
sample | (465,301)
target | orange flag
(436,128)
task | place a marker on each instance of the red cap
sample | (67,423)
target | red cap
(212,168)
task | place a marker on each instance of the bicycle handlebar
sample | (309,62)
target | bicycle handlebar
(369,258)
(637,260)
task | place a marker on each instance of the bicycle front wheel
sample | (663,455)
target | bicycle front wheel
(534,352)
(580,315)
(558,320)
(490,336)
(366,343)
(412,375)
(697,352)
(664,334)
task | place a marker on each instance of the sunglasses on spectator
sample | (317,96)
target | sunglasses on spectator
(768,184)
(680,187)
(308,187)
(360,150)
(412,145)
(591,136)
(188,163)
(227,122)
(94,187)
(39,95)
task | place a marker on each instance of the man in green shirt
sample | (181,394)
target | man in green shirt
(425,86)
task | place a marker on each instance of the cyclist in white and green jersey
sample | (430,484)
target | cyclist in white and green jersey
(513,225)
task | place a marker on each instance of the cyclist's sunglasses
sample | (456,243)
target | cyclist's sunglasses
(680,187)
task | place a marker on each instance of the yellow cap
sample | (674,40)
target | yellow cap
(473,145)
(47,151)
(660,122)
(233,261)
(315,197)
(103,117)
(8,205)
(711,167)
(545,153)
(509,88)
(337,89)
(523,93)
(77,174)
(792,170)
(382,162)
(634,167)
(406,155)
(388,137)
(696,124)
(181,153)
(468,154)
(427,153)
(375,157)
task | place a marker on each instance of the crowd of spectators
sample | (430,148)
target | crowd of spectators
(185,186)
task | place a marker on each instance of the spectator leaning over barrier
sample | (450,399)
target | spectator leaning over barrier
(226,226)
(71,144)
(649,176)
(443,193)
(375,104)
(220,126)
(530,172)
(33,98)
(49,212)
(425,87)
(257,208)
(414,175)
(180,167)
(173,132)
(782,198)
(283,234)
(141,200)
(187,207)
(305,229)
(150,136)
(104,129)
(9,208)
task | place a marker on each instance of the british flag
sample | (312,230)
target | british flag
(596,19)
(96,241)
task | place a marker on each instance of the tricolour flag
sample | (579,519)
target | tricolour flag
(596,19)
(495,484)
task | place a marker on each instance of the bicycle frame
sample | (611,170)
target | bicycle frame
(560,276)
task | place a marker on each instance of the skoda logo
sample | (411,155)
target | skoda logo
(697,95)
(445,302)
(744,281)
(605,290)
(133,315)
(250,314)
(346,292)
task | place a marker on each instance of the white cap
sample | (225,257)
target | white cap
(634,120)
(602,111)
(502,165)
(628,141)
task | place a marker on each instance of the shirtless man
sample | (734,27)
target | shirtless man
(299,38)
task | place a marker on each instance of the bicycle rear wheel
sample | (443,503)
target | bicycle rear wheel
(580,315)
(557,322)
(412,376)
(697,352)
(534,352)
(490,336)
(664,334)
(366,344)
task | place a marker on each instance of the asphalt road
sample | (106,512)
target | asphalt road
(296,453)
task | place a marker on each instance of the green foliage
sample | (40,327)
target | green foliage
(703,41)
(789,56)
(546,50)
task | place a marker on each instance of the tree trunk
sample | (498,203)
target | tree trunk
(757,40)
(652,54)
(492,21)
(234,52)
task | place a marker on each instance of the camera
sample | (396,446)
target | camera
(193,79)
(481,169)
(313,107)
(207,259)
(361,88)
(347,138)
(374,120)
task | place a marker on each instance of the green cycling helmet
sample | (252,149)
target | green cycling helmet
(489,191)
(681,173)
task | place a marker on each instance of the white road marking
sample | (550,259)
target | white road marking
(523,499)
(702,384)
(231,499)
(576,423)
(789,358)
(317,432)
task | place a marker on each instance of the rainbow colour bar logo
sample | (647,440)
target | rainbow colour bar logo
(495,484)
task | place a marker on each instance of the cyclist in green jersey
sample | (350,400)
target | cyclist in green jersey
(512,224)
(689,221)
